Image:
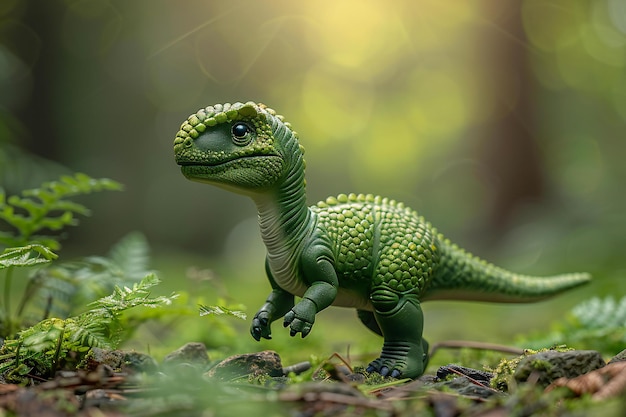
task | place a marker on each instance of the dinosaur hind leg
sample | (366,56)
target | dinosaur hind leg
(368,318)
(401,321)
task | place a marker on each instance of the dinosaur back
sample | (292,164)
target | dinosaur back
(378,242)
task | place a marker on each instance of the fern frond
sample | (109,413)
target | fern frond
(597,313)
(597,323)
(47,343)
(72,285)
(132,256)
(90,333)
(28,255)
(220,311)
(46,208)
(43,337)
(124,298)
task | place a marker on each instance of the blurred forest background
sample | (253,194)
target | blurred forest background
(503,122)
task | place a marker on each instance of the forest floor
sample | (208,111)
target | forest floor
(186,383)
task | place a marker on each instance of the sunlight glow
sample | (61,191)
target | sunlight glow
(361,35)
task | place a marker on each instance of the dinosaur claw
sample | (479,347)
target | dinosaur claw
(384,371)
(289,317)
(260,327)
(395,373)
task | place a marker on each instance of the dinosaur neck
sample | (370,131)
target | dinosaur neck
(284,216)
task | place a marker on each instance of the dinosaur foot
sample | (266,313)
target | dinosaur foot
(401,360)
(385,368)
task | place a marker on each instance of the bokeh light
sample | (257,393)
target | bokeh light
(418,99)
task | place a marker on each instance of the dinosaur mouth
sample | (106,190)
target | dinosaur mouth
(208,169)
(241,174)
(225,163)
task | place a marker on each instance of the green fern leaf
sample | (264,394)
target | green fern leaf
(37,209)
(124,298)
(220,310)
(42,337)
(131,255)
(28,255)
(72,285)
(599,313)
(597,323)
(43,345)
(90,333)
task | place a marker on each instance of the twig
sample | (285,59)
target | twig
(460,344)
(472,380)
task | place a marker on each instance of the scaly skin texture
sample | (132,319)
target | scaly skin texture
(361,251)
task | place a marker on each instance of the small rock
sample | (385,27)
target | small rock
(118,361)
(256,364)
(139,362)
(550,365)
(97,356)
(620,357)
(193,353)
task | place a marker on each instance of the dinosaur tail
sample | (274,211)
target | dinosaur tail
(462,276)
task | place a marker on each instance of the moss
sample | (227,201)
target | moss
(503,373)
(541,365)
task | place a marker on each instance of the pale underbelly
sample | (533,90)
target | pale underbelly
(345,297)
(289,282)
(350,298)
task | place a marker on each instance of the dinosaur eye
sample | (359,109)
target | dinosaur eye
(241,134)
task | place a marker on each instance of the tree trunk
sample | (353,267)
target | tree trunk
(509,151)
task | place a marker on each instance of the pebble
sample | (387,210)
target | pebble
(256,364)
(193,353)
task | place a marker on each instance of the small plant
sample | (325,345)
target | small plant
(597,324)
(43,348)
(63,289)
(30,217)
(220,310)
(47,208)
(503,373)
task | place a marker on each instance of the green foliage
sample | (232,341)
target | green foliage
(607,316)
(125,298)
(72,285)
(49,344)
(598,324)
(31,215)
(47,208)
(503,373)
(219,310)
(29,255)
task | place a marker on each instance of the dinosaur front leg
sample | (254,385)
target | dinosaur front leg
(401,320)
(302,316)
(321,278)
(278,303)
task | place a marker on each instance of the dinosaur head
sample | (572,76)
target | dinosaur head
(241,147)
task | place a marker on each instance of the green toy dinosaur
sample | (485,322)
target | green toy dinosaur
(361,251)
